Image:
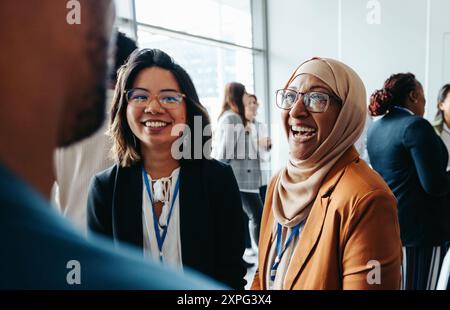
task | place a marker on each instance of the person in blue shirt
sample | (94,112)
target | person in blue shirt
(53,94)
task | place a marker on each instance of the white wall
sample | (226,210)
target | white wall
(411,36)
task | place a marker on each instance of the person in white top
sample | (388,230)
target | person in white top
(261,140)
(179,207)
(442,120)
(76,165)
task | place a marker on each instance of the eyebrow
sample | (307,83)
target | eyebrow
(165,89)
(315,88)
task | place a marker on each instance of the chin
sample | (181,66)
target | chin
(301,151)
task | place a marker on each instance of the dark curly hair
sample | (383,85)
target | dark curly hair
(394,92)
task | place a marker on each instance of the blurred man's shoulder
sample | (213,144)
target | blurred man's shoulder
(42,250)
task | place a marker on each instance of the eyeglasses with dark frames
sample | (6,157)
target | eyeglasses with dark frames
(314,101)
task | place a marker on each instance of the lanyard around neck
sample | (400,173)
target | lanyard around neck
(160,238)
(280,251)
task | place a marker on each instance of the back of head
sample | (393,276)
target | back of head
(394,93)
(124,47)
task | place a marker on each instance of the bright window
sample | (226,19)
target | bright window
(212,39)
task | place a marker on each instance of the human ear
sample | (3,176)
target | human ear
(413,95)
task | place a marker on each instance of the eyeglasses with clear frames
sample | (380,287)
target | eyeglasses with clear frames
(141,98)
(316,102)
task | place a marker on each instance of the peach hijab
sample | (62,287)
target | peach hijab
(298,183)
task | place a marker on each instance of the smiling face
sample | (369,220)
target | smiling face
(306,130)
(444,106)
(153,123)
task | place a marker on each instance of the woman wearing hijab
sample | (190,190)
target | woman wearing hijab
(329,221)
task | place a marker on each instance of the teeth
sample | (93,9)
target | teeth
(155,124)
(302,129)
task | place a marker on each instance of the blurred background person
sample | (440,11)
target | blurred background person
(183,211)
(442,120)
(261,144)
(234,146)
(61,84)
(327,215)
(76,165)
(261,141)
(404,149)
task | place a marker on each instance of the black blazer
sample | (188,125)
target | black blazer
(211,222)
(412,159)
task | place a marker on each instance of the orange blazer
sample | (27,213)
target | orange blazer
(351,239)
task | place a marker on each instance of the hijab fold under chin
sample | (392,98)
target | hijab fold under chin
(298,183)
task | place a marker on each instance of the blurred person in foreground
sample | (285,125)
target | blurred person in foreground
(54,95)
(76,165)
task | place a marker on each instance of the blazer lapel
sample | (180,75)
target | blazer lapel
(195,217)
(127,206)
(308,239)
(314,223)
(265,241)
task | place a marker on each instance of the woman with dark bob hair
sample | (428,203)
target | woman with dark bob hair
(404,149)
(177,209)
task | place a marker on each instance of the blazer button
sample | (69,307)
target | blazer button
(249,171)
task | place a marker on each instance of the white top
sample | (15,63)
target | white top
(74,168)
(172,244)
(445,136)
(259,130)
(445,273)
(445,128)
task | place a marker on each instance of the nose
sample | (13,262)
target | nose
(153,106)
(298,109)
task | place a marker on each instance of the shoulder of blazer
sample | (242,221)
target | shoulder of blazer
(216,165)
(109,178)
(216,171)
(108,175)
(210,169)
(358,180)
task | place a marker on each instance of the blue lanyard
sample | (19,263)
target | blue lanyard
(280,252)
(160,238)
